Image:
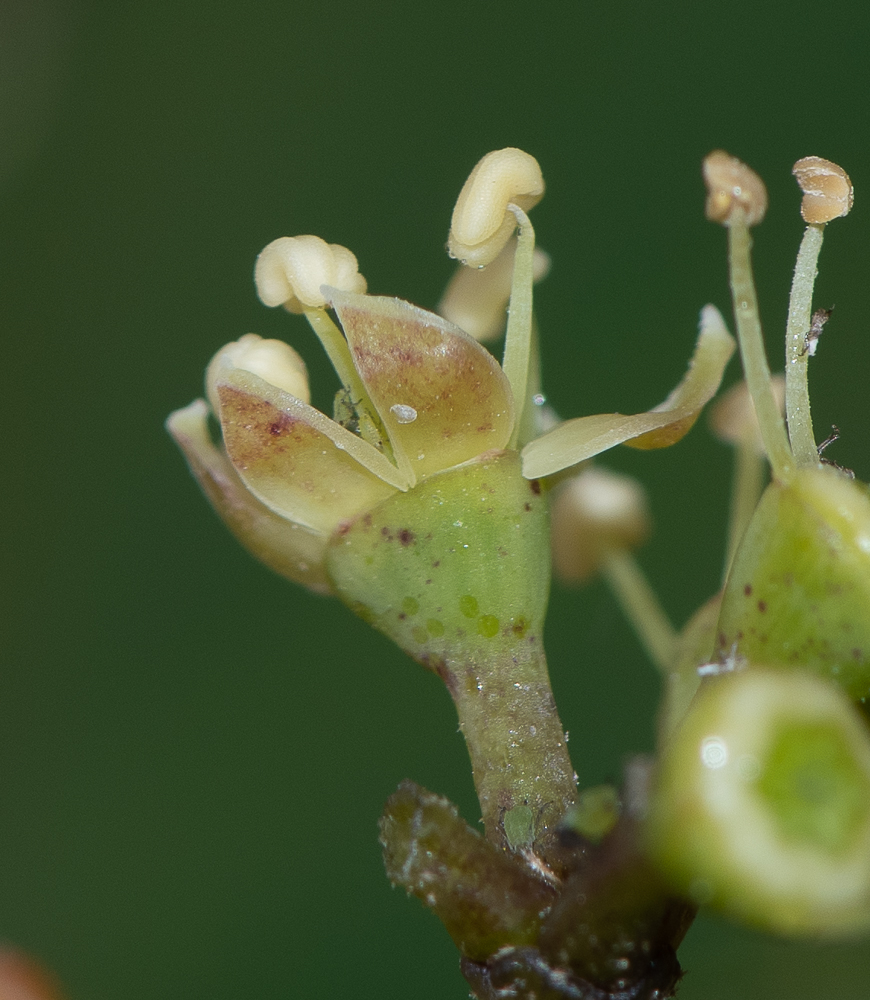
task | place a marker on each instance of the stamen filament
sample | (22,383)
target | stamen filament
(641,607)
(518,337)
(338,352)
(755,366)
(528,420)
(797,397)
(746,489)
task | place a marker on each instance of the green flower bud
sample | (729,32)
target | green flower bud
(761,806)
(799,590)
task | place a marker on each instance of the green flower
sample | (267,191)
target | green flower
(762,805)
(419,396)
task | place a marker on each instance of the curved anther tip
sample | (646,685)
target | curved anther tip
(481,223)
(731,185)
(290,271)
(828,192)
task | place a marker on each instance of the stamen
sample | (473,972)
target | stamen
(338,352)
(797,396)
(518,337)
(736,197)
(733,420)
(532,421)
(746,489)
(755,366)
(828,195)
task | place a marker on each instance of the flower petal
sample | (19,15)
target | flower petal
(288,548)
(441,396)
(297,461)
(577,440)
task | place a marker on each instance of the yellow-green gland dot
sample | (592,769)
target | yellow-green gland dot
(761,806)
(468,606)
(488,626)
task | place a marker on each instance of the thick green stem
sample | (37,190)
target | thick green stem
(456,571)
(519,758)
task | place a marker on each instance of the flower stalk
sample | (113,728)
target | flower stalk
(456,572)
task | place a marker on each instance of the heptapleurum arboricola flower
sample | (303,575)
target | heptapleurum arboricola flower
(422,503)
(762,795)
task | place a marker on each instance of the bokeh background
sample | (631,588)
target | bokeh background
(194,754)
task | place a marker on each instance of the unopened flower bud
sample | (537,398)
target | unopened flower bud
(827,189)
(732,185)
(482,223)
(761,806)
(272,360)
(594,513)
(291,270)
(733,419)
(476,298)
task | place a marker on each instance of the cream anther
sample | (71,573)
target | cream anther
(828,192)
(482,223)
(272,360)
(730,185)
(290,271)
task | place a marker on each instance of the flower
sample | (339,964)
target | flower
(762,806)
(798,585)
(419,395)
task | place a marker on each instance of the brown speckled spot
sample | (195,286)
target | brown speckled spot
(747,589)
(520,627)
(439,666)
(535,486)
(762,606)
(406,537)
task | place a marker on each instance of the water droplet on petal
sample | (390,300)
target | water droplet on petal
(714,752)
(403,414)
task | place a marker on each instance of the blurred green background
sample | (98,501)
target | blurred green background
(194,754)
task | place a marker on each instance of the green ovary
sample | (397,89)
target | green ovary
(817,792)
